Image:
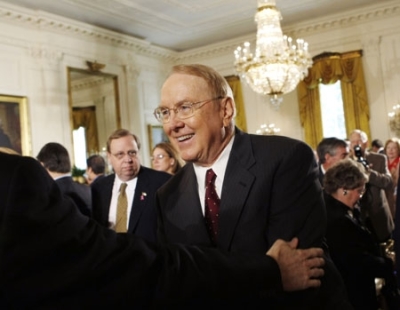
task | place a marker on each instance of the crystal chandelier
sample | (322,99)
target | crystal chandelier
(277,65)
(394,120)
(268,130)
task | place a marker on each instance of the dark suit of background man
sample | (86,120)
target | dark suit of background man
(96,168)
(330,151)
(55,158)
(123,154)
(268,186)
(375,208)
(53,257)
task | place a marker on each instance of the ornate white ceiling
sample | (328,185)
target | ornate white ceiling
(185,24)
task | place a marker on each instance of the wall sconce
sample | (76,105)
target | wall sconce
(394,120)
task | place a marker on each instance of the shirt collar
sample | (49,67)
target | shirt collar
(219,166)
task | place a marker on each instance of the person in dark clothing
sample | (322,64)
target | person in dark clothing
(53,257)
(55,158)
(352,246)
(96,168)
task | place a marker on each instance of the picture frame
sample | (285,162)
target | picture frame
(14,124)
(156,135)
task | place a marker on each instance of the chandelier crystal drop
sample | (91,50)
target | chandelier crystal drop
(268,130)
(277,64)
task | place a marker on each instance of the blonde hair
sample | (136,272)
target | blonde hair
(173,153)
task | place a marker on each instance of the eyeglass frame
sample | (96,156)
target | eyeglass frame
(121,155)
(176,110)
(159,156)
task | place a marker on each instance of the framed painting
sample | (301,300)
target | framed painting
(156,135)
(14,126)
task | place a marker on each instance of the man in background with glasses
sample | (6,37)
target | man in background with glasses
(138,214)
(260,189)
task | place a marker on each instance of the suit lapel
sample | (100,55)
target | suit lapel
(237,185)
(186,206)
(139,200)
(106,194)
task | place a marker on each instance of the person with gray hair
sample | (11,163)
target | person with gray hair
(353,248)
(375,208)
(329,152)
(238,191)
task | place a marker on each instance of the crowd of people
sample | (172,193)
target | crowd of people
(222,216)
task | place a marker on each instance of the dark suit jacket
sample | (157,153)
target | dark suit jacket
(79,193)
(98,178)
(143,217)
(53,257)
(375,209)
(320,175)
(271,190)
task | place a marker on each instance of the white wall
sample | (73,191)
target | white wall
(36,48)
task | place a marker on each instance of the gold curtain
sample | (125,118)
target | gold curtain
(328,68)
(240,119)
(86,117)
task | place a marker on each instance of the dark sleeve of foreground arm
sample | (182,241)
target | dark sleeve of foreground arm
(53,256)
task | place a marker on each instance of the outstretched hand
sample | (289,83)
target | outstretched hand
(300,268)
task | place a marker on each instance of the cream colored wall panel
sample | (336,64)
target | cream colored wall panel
(10,79)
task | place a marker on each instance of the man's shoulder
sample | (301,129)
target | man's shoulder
(280,144)
(377,156)
(151,173)
(104,181)
(272,139)
(10,163)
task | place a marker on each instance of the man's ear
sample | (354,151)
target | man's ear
(228,106)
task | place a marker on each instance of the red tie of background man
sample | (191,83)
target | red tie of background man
(211,205)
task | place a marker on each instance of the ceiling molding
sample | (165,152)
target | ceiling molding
(75,29)
(350,18)
(58,24)
(314,26)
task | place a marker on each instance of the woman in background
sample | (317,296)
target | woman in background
(166,158)
(392,151)
(353,249)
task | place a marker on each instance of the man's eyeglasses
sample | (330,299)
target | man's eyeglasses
(159,156)
(183,111)
(120,155)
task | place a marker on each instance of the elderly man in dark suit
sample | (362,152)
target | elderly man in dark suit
(140,217)
(53,257)
(268,186)
(55,158)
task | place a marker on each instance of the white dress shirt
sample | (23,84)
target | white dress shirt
(219,168)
